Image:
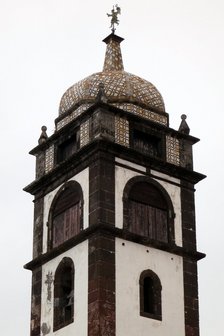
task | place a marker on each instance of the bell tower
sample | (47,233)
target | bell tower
(114,244)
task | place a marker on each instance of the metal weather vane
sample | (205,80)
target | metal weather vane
(114,17)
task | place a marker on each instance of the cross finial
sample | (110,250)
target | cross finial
(114,17)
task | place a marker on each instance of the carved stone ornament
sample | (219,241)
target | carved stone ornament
(48,282)
(45,329)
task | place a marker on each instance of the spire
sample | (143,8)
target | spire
(113,58)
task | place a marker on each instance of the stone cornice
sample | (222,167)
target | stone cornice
(105,229)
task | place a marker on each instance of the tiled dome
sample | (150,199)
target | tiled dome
(119,86)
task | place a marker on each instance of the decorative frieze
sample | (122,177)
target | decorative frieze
(74,114)
(84,133)
(172,150)
(144,113)
(121,131)
(49,159)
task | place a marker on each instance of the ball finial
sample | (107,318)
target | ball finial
(43,137)
(44,128)
(183,117)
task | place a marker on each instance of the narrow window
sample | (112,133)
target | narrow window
(64,294)
(147,144)
(67,148)
(150,295)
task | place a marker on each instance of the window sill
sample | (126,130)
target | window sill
(62,325)
(151,316)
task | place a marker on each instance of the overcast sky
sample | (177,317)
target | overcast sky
(48,45)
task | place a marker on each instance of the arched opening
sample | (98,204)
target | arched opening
(64,294)
(150,295)
(148,210)
(66,214)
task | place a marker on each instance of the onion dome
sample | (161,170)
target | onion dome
(121,89)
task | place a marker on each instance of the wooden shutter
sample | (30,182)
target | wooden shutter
(148,212)
(66,215)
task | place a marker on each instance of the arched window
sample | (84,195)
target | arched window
(148,210)
(64,294)
(150,295)
(66,214)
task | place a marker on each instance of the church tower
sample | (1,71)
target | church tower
(114,245)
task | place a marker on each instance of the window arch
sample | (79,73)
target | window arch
(64,294)
(148,210)
(66,214)
(150,295)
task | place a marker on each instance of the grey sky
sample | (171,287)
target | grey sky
(46,46)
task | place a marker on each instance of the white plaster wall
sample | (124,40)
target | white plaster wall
(122,176)
(83,179)
(174,193)
(131,260)
(79,255)
(130,164)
